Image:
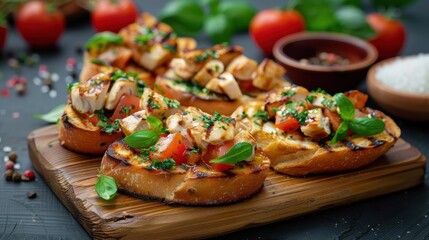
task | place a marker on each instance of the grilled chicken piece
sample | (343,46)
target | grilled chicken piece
(322,100)
(242,67)
(157,105)
(135,122)
(156,56)
(185,44)
(317,125)
(226,54)
(119,88)
(196,59)
(267,74)
(117,56)
(225,84)
(280,96)
(201,128)
(90,95)
(181,69)
(212,69)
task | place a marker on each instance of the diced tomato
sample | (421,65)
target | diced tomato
(220,167)
(333,117)
(92,118)
(214,151)
(246,86)
(127,105)
(288,124)
(171,146)
(357,98)
(191,158)
(163,90)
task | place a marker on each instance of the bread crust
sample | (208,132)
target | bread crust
(197,185)
(79,135)
(300,157)
(218,104)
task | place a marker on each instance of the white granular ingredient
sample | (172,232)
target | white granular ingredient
(410,74)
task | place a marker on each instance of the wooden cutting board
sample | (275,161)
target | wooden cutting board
(72,177)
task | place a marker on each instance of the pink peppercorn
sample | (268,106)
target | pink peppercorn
(30,175)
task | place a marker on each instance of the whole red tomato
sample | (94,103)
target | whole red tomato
(270,25)
(390,36)
(112,15)
(39,24)
(3,36)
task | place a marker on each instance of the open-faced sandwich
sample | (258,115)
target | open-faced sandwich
(144,47)
(184,156)
(218,79)
(90,121)
(306,132)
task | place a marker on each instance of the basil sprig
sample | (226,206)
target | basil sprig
(102,40)
(361,126)
(53,115)
(106,187)
(146,138)
(238,152)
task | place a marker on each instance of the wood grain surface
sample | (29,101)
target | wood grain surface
(72,177)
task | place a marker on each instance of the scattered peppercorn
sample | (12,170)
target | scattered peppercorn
(8,175)
(20,88)
(25,179)
(31,195)
(9,165)
(12,156)
(16,177)
(326,59)
(30,175)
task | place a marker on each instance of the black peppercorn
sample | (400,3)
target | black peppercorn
(12,156)
(8,175)
(31,195)
(16,177)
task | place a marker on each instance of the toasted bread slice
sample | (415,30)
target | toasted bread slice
(297,155)
(193,185)
(80,135)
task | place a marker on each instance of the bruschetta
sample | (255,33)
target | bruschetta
(90,121)
(306,132)
(219,78)
(184,156)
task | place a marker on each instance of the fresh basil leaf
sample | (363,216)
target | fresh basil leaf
(102,40)
(341,132)
(106,187)
(186,17)
(71,85)
(367,126)
(53,115)
(142,139)
(239,14)
(347,109)
(218,28)
(339,3)
(319,15)
(155,124)
(238,152)
(351,17)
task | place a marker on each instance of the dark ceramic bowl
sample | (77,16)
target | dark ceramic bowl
(291,49)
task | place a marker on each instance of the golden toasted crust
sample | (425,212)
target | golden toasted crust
(197,185)
(210,105)
(301,156)
(79,135)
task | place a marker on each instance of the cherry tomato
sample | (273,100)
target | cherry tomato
(358,98)
(288,124)
(127,105)
(270,25)
(171,146)
(92,118)
(112,15)
(39,24)
(390,36)
(334,118)
(3,36)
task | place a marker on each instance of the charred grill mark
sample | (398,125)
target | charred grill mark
(112,153)
(327,147)
(352,146)
(376,142)
(208,131)
(65,120)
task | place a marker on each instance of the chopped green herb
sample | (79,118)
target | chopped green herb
(310,98)
(71,85)
(166,164)
(99,62)
(209,121)
(261,115)
(169,47)
(209,53)
(195,149)
(288,93)
(300,116)
(152,104)
(243,115)
(109,127)
(171,102)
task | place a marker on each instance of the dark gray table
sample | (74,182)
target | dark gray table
(399,215)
